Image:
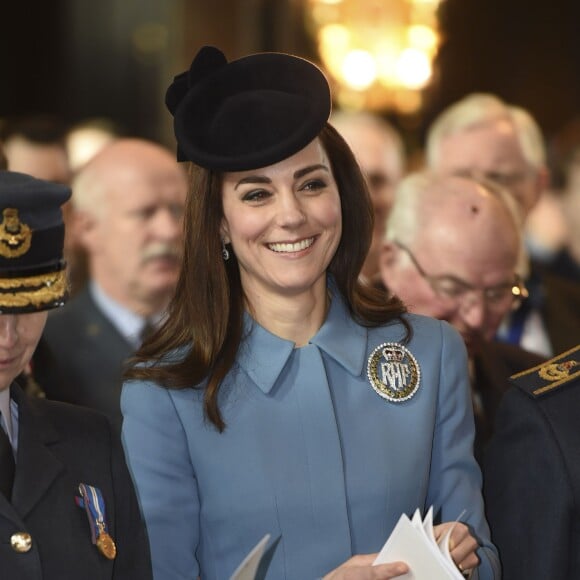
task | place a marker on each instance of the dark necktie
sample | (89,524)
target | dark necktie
(7,464)
(147,330)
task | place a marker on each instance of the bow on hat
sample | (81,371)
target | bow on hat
(207,60)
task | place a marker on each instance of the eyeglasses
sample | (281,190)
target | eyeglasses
(504,179)
(455,291)
(377,180)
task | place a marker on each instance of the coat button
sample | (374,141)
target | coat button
(21,542)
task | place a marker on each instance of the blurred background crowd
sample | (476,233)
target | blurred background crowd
(464,116)
(113,60)
(481,89)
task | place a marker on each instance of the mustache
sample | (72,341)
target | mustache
(161,250)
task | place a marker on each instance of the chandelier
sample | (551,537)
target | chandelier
(378,53)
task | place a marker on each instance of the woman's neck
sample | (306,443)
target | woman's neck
(294,317)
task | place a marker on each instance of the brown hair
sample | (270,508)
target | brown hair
(206,314)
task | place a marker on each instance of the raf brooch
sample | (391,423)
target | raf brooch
(393,372)
(92,501)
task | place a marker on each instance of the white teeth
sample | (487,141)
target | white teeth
(295,247)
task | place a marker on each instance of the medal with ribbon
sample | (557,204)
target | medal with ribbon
(94,505)
(393,372)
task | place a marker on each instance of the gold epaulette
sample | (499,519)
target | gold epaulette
(563,369)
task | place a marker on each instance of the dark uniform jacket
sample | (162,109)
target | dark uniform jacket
(493,365)
(59,447)
(80,357)
(532,473)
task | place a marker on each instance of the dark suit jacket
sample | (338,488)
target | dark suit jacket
(532,483)
(557,301)
(493,366)
(60,446)
(561,311)
(80,357)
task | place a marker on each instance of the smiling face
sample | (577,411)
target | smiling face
(284,224)
(19,335)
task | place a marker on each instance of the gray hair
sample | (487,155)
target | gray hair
(483,109)
(344,120)
(89,190)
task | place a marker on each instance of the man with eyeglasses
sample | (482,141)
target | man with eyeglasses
(484,137)
(453,250)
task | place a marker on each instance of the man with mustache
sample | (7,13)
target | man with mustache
(453,249)
(128,203)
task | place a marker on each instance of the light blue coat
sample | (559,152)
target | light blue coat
(311,453)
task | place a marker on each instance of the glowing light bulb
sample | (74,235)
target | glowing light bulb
(413,68)
(359,69)
(422,37)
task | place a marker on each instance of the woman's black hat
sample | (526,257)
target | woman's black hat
(248,113)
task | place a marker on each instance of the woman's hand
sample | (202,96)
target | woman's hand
(462,545)
(361,568)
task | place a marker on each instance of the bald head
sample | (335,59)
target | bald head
(129,203)
(451,243)
(121,164)
(437,207)
(375,143)
(47,161)
(35,145)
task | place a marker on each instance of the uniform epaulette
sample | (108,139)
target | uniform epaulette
(563,369)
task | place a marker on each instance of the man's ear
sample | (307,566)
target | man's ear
(542,182)
(387,261)
(85,228)
(388,254)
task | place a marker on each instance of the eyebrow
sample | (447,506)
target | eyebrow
(297,175)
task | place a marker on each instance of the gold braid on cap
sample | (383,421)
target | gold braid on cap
(37,291)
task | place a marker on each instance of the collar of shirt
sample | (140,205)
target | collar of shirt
(126,322)
(9,420)
(6,421)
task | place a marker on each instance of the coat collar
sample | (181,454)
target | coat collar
(263,355)
(36,466)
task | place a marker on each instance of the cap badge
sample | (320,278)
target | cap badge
(393,372)
(15,236)
(557,371)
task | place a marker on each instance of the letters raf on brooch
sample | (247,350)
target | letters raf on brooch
(393,372)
